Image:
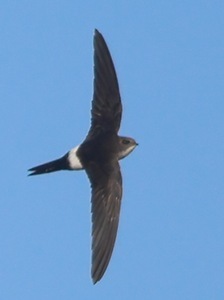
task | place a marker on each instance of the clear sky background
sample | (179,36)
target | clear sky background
(169,57)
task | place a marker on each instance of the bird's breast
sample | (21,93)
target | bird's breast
(99,150)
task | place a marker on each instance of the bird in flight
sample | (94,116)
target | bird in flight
(99,156)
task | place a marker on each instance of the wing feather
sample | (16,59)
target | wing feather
(106,202)
(106,105)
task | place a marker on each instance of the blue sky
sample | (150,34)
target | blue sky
(170,65)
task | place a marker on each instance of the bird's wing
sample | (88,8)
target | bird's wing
(106,104)
(106,185)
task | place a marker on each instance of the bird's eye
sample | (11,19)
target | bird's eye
(125,142)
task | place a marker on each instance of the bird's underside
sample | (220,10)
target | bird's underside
(99,155)
(105,177)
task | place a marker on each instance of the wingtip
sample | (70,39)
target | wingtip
(96,277)
(97,33)
(95,280)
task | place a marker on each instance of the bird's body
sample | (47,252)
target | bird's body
(98,155)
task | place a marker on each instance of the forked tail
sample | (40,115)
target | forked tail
(52,166)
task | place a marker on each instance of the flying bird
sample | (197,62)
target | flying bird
(99,156)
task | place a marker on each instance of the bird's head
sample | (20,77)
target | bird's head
(126,146)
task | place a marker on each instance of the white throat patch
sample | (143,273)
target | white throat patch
(126,152)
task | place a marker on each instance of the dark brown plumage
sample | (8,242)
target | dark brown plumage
(99,155)
(103,169)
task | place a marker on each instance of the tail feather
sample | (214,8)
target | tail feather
(52,166)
